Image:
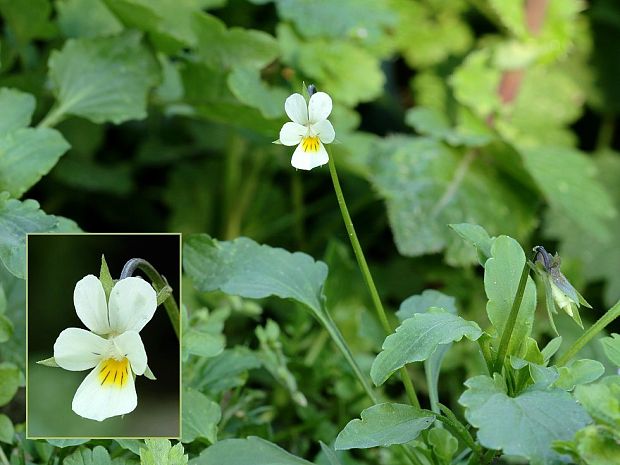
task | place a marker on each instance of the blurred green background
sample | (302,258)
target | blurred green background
(55,264)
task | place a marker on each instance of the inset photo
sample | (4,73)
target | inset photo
(103,331)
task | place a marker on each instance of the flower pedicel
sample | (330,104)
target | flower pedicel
(112,348)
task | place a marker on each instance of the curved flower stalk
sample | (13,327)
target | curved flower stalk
(309,129)
(112,347)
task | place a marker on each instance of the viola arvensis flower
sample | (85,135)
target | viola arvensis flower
(112,347)
(309,129)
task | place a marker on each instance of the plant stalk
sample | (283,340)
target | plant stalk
(512,319)
(370,284)
(159,282)
(609,316)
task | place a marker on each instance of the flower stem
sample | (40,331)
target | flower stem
(370,284)
(512,319)
(159,282)
(609,316)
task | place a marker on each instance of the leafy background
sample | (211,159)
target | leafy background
(135,115)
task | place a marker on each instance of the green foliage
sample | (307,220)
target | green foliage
(611,345)
(200,416)
(384,425)
(243,451)
(161,452)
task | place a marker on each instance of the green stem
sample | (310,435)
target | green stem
(512,319)
(159,282)
(361,260)
(488,457)
(53,117)
(3,459)
(609,316)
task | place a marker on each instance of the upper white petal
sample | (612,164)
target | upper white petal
(90,304)
(98,402)
(296,108)
(320,107)
(325,131)
(291,133)
(308,160)
(76,349)
(132,304)
(131,346)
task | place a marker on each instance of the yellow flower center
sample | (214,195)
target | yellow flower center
(114,372)
(310,144)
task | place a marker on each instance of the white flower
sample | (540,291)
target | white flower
(112,347)
(310,129)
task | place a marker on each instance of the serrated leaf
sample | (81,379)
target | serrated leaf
(579,372)
(200,416)
(235,46)
(18,218)
(62,443)
(501,280)
(26,154)
(602,400)
(251,450)
(244,268)
(428,186)
(420,303)
(84,456)
(568,180)
(611,346)
(383,425)
(103,79)
(161,452)
(417,338)
(98,22)
(524,425)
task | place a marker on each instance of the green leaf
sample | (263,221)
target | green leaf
(602,400)
(428,186)
(28,19)
(103,79)
(579,372)
(611,346)
(478,237)
(7,431)
(98,22)
(26,154)
(524,425)
(202,343)
(247,86)
(62,443)
(444,444)
(134,445)
(551,348)
(420,303)
(430,122)
(567,178)
(49,362)
(6,329)
(200,416)
(417,338)
(349,73)
(9,382)
(235,46)
(161,452)
(594,445)
(228,370)
(105,277)
(330,454)
(244,268)
(501,279)
(251,450)
(84,456)
(383,425)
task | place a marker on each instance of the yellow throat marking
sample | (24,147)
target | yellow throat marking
(310,144)
(114,372)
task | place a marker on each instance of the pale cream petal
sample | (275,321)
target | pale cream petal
(291,133)
(98,401)
(76,349)
(133,302)
(130,345)
(325,131)
(320,107)
(297,109)
(90,304)
(307,160)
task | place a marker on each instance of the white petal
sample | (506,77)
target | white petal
(308,160)
(131,346)
(132,304)
(291,133)
(320,107)
(76,349)
(325,131)
(96,401)
(296,108)
(90,304)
